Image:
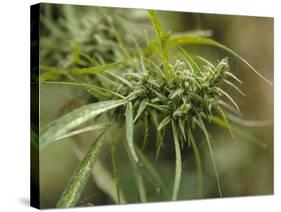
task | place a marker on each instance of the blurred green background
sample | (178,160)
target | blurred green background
(244,167)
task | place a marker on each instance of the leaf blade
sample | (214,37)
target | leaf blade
(77,183)
(75,118)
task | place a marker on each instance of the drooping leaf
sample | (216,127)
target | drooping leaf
(75,118)
(240,132)
(101,175)
(178,168)
(152,172)
(116,168)
(200,123)
(207,41)
(197,161)
(77,183)
(137,175)
(130,131)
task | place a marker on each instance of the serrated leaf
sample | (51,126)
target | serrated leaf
(130,131)
(178,168)
(77,183)
(75,118)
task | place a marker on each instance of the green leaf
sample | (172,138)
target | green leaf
(146,130)
(162,108)
(152,172)
(182,128)
(164,123)
(241,133)
(141,109)
(207,41)
(83,130)
(75,118)
(178,164)
(116,168)
(163,39)
(234,86)
(197,161)
(130,131)
(98,92)
(159,137)
(75,53)
(96,69)
(229,97)
(200,123)
(77,183)
(137,175)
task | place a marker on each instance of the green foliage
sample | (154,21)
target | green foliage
(159,88)
(81,175)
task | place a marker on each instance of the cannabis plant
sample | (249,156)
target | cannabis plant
(135,77)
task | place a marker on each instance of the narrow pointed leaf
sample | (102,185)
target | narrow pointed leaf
(130,131)
(83,130)
(203,128)
(77,183)
(116,169)
(178,168)
(210,42)
(197,161)
(164,123)
(75,118)
(152,171)
(229,97)
(96,69)
(141,109)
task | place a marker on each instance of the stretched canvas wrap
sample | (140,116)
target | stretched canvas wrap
(139,106)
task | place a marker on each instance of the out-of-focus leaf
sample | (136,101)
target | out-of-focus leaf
(152,172)
(241,133)
(96,69)
(75,118)
(77,183)
(197,160)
